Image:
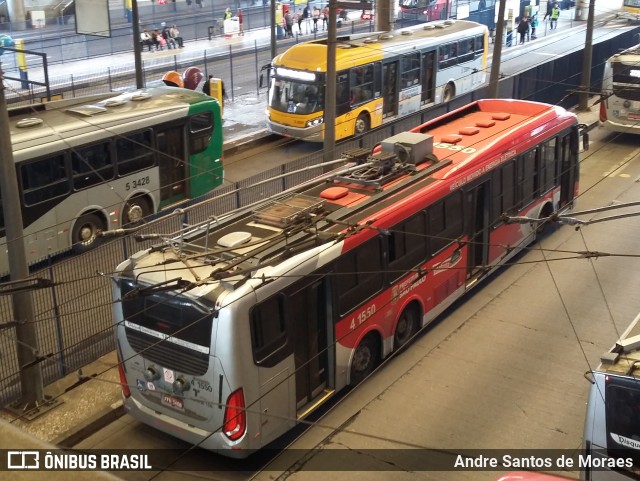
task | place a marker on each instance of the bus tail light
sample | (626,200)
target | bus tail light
(603,111)
(126,392)
(235,417)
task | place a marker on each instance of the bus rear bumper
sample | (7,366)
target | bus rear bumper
(309,134)
(209,440)
(624,128)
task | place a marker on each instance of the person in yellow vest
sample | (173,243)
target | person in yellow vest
(553,15)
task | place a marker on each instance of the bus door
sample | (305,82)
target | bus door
(428,77)
(390,89)
(568,167)
(171,164)
(477,215)
(311,327)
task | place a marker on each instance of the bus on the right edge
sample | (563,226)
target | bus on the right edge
(620,106)
(612,422)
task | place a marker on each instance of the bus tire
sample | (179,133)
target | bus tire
(135,210)
(85,232)
(362,125)
(365,359)
(406,328)
(449,92)
(542,226)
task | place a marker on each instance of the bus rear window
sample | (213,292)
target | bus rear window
(168,314)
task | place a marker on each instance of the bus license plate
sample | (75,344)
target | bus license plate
(172,402)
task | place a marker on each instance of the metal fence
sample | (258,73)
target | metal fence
(73,317)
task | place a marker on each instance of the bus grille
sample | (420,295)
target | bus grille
(167,354)
(628,94)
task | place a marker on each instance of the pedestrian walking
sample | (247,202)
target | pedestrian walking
(553,15)
(316,17)
(534,25)
(325,16)
(300,18)
(240,16)
(288,21)
(227,14)
(523,28)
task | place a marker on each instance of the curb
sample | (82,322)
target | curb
(93,424)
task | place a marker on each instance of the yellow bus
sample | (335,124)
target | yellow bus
(380,77)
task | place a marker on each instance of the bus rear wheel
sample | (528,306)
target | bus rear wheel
(406,328)
(135,210)
(85,232)
(449,92)
(365,359)
(362,125)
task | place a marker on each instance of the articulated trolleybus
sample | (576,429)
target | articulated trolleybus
(612,422)
(620,108)
(236,329)
(380,77)
(101,162)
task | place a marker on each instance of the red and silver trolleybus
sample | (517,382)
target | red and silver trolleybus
(236,329)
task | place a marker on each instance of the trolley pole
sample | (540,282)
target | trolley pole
(587,59)
(26,335)
(330,88)
(494,78)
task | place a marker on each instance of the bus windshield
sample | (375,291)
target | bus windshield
(632,3)
(295,97)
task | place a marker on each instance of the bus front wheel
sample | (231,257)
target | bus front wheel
(362,125)
(85,232)
(365,359)
(135,210)
(449,93)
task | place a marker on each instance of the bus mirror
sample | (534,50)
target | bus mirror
(261,80)
(585,141)
(589,377)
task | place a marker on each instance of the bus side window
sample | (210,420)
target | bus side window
(92,165)
(269,331)
(342,94)
(359,275)
(200,128)
(2,232)
(44,179)
(134,152)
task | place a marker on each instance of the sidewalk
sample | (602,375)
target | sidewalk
(90,405)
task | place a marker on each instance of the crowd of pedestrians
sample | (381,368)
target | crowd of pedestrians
(158,39)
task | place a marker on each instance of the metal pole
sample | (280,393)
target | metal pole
(497,52)
(330,87)
(587,59)
(26,335)
(137,48)
(272,11)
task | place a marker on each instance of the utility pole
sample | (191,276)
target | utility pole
(137,48)
(22,302)
(587,59)
(497,52)
(330,87)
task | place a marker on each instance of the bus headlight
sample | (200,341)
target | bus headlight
(315,122)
